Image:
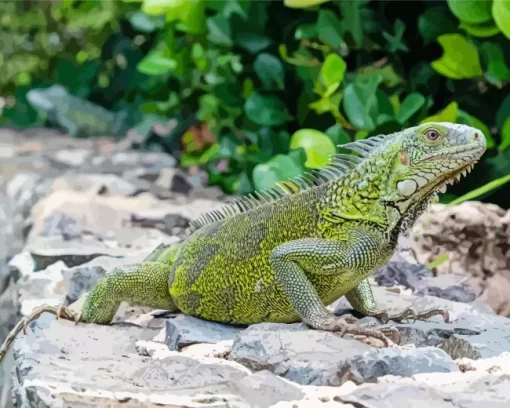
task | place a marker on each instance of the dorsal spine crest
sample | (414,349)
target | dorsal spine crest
(338,166)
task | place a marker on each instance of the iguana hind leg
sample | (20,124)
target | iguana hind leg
(144,284)
(362,300)
(289,262)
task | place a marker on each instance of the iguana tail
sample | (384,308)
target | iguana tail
(143,284)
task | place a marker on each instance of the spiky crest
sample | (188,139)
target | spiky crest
(337,167)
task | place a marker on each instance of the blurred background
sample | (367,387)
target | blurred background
(258,91)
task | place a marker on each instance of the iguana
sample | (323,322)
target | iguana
(79,117)
(283,254)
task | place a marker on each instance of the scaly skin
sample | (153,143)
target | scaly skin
(286,259)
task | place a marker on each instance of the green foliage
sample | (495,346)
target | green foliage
(261,90)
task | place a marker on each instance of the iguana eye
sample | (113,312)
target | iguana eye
(432,135)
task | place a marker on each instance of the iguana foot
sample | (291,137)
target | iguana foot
(61,312)
(345,325)
(64,312)
(384,317)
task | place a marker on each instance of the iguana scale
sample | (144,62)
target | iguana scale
(283,254)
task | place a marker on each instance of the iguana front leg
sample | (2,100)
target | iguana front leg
(321,256)
(362,300)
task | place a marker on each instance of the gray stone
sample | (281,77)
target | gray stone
(401,273)
(48,250)
(450,287)
(476,238)
(404,362)
(60,364)
(183,331)
(322,358)
(72,157)
(264,389)
(484,394)
(106,184)
(83,280)
(472,333)
(60,224)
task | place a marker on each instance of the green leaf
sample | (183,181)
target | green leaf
(501,15)
(472,195)
(328,27)
(434,22)
(389,77)
(252,41)
(360,102)
(503,112)
(496,65)
(192,17)
(480,30)
(269,69)
(409,106)
(219,30)
(333,70)
(505,135)
(146,23)
(337,135)
(471,11)
(156,63)
(448,114)
(352,21)
(396,41)
(317,145)
(305,32)
(279,168)
(265,110)
(460,58)
(303,3)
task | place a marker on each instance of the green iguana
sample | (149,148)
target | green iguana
(78,116)
(282,255)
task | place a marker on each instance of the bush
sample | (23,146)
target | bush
(264,90)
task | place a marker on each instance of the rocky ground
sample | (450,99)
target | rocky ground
(73,209)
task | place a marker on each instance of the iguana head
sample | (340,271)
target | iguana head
(428,157)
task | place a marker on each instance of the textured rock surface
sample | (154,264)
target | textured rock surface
(76,212)
(476,238)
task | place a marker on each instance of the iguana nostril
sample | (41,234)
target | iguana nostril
(476,136)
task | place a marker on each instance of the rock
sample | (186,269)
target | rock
(472,333)
(476,238)
(60,224)
(107,184)
(402,273)
(173,180)
(264,388)
(102,215)
(183,331)
(66,366)
(413,396)
(421,281)
(21,265)
(312,357)
(83,280)
(450,287)
(73,157)
(405,362)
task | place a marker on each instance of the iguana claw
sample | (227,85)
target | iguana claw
(410,312)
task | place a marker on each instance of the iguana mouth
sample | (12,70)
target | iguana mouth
(453,177)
